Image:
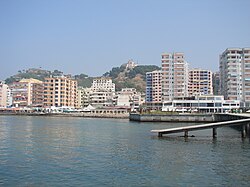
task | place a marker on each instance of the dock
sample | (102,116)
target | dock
(243,122)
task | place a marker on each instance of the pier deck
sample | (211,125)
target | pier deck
(243,122)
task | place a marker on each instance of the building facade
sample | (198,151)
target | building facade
(60,91)
(200,82)
(154,86)
(129,97)
(235,75)
(103,84)
(27,92)
(83,97)
(4,90)
(174,76)
(202,103)
(216,83)
(102,93)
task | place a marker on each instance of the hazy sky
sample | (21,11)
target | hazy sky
(91,37)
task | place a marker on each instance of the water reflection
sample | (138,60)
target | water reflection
(37,151)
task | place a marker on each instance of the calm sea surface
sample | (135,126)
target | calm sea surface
(53,151)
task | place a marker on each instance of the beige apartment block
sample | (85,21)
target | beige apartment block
(27,92)
(235,75)
(83,97)
(200,82)
(174,76)
(60,91)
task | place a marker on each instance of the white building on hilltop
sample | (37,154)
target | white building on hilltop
(131,64)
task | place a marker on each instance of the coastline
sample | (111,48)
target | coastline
(87,115)
(175,117)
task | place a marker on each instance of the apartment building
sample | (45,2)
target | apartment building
(27,92)
(4,89)
(216,83)
(103,84)
(129,97)
(83,97)
(235,75)
(60,91)
(200,82)
(102,92)
(154,86)
(174,76)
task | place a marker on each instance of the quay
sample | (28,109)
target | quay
(243,122)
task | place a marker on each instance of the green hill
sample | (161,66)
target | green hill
(133,78)
(122,77)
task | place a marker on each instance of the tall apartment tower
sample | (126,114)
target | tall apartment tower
(235,75)
(60,91)
(174,76)
(154,86)
(200,82)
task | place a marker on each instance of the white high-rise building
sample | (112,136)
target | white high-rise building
(174,76)
(235,74)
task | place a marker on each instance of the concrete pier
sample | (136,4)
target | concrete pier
(214,132)
(213,126)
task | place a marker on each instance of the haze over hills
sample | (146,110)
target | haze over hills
(122,76)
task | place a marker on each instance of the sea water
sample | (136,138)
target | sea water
(53,151)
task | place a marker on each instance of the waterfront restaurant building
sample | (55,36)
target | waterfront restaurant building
(204,103)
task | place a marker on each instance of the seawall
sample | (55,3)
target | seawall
(87,115)
(172,117)
(215,117)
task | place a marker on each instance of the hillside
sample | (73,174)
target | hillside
(123,77)
(135,78)
(40,74)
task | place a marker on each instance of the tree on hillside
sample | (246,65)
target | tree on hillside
(141,70)
(114,72)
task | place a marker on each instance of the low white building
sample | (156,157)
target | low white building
(205,103)
(129,97)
